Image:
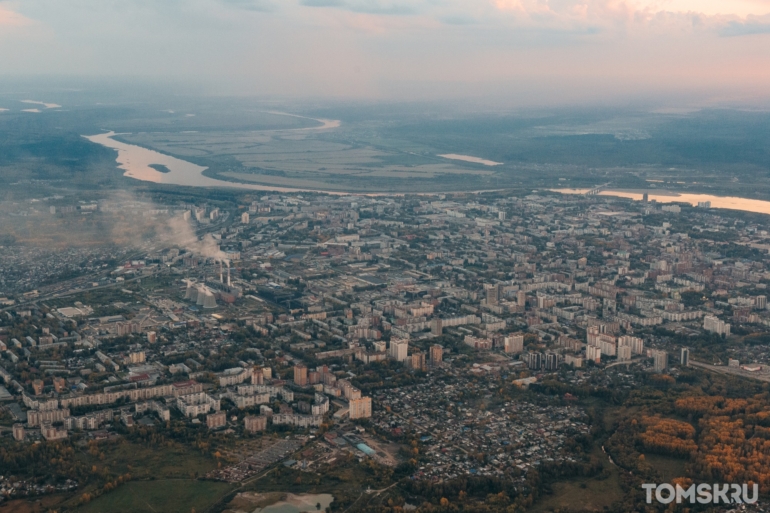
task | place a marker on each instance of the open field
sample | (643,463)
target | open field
(584,493)
(40,505)
(152,463)
(581,494)
(168,496)
(669,468)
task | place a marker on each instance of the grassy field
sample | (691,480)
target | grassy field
(669,468)
(142,462)
(167,496)
(584,493)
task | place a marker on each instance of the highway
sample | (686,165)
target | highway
(735,371)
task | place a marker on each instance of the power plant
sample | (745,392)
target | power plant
(200,294)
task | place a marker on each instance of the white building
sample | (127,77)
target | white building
(398,349)
(635,343)
(199,403)
(661,360)
(715,325)
(514,343)
(593,353)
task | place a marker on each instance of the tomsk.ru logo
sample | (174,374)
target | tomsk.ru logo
(704,493)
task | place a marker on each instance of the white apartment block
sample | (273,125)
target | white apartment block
(297,420)
(514,343)
(714,325)
(635,343)
(192,405)
(593,353)
(398,349)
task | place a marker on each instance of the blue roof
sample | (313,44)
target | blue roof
(365,449)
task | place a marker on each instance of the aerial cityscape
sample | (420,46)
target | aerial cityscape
(385,350)
(384,256)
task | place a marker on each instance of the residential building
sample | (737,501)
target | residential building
(360,408)
(300,375)
(514,344)
(216,420)
(254,423)
(715,325)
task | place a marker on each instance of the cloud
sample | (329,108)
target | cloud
(747,28)
(252,5)
(521,50)
(378,7)
(458,20)
(631,11)
(9,18)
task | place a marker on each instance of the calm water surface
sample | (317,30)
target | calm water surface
(729,202)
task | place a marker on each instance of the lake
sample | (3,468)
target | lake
(728,202)
(468,158)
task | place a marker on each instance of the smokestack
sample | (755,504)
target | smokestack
(228,276)
(221,279)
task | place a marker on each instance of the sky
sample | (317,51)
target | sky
(521,52)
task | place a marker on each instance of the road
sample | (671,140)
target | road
(627,362)
(735,371)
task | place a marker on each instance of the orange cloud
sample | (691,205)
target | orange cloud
(644,9)
(9,18)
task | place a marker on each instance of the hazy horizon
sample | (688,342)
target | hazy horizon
(669,53)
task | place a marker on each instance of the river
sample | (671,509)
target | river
(137,162)
(728,202)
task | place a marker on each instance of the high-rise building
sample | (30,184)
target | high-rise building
(360,408)
(398,349)
(635,343)
(245,218)
(257,378)
(521,298)
(493,294)
(660,360)
(514,343)
(436,354)
(594,354)
(760,302)
(715,325)
(533,360)
(300,375)
(18,432)
(551,361)
(624,353)
(684,358)
(417,361)
(152,337)
(436,327)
